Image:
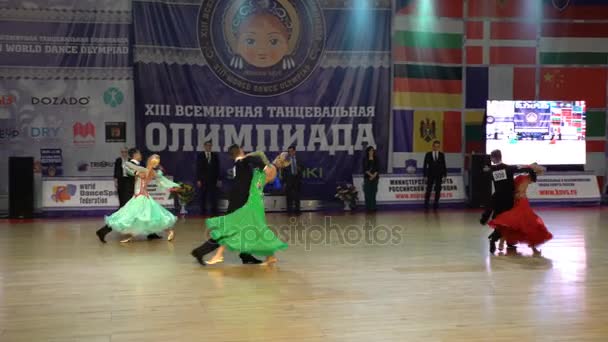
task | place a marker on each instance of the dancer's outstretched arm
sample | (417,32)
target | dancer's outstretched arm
(258,159)
(163,182)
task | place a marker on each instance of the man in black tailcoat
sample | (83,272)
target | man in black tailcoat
(124,182)
(237,197)
(504,191)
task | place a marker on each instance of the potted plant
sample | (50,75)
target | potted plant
(348,194)
(184,194)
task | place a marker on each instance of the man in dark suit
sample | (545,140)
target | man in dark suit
(208,176)
(504,191)
(124,182)
(237,198)
(434,171)
(293,182)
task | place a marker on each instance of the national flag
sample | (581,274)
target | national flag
(428,40)
(415,131)
(501,42)
(574,43)
(575,9)
(503,9)
(427,86)
(499,83)
(429,126)
(430,8)
(574,84)
(403,127)
(476,87)
(474,130)
(596,131)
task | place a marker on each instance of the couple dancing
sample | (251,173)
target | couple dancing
(244,227)
(142,215)
(512,217)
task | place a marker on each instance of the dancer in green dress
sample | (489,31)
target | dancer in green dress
(142,215)
(245,230)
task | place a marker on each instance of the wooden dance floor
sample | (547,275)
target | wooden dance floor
(407,277)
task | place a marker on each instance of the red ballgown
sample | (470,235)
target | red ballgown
(521,224)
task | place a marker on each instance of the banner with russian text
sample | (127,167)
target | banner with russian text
(410,189)
(265,75)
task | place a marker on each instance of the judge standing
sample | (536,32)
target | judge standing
(208,176)
(124,182)
(434,171)
(293,182)
(370,178)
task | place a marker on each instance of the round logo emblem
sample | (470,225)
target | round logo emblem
(561,4)
(113,97)
(262,47)
(531,117)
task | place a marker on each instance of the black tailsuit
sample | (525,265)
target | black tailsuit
(434,170)
(126,183)
(504,192)
(208,173)
(237,197)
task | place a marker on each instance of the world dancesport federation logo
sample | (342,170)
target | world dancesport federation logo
(63,193)
(262,47)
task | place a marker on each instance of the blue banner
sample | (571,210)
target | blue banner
(59,44)
(66,91)
(265,75)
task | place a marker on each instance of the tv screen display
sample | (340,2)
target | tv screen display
(546,132)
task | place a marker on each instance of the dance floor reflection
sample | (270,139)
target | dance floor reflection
(394,276)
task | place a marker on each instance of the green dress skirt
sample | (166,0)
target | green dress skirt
(142,215)
(245,230)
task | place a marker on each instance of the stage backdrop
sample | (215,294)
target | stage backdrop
(265,75)
(66,93)
(451,56)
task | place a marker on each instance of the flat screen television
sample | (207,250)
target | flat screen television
(546,132)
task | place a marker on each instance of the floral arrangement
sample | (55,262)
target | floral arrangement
(347,193)
(184,194)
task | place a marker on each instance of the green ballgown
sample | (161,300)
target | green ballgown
(142,215)
(245,230)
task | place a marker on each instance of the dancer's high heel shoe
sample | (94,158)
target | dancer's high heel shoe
(171,236)
(215,261)
(127,240)
(269,261)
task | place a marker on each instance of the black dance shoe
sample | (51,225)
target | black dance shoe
(250,260)
(198,256)
(492,246)
(154,237)
(102,232)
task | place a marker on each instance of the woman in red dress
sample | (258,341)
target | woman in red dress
(521,224)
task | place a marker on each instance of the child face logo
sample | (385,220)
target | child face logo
(262,47)
(263,41)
